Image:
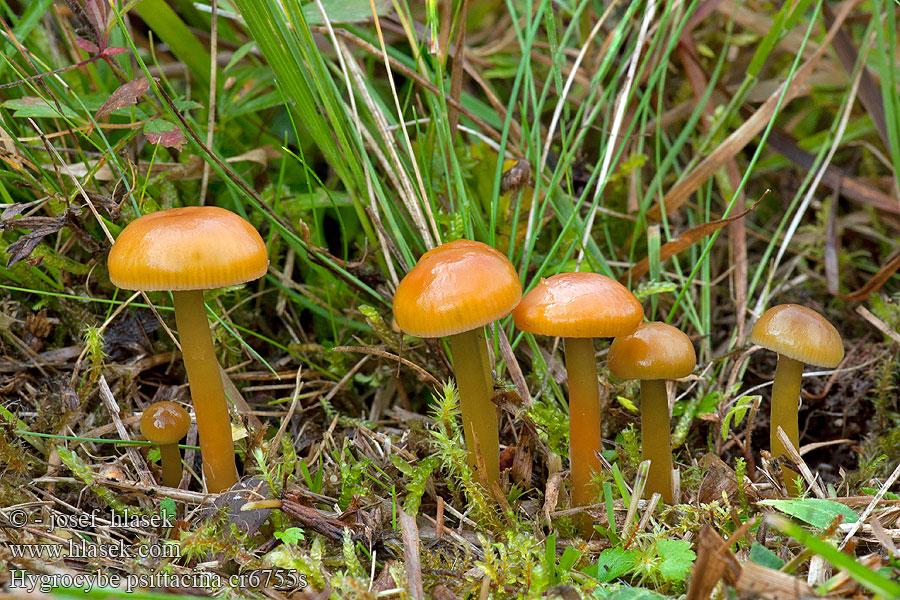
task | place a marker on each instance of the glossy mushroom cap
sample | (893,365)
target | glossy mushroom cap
(579,305)
(191,248)
(456,287)
(653,351)
(165,423)
(799,333)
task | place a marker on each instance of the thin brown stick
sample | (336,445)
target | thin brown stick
(376,352)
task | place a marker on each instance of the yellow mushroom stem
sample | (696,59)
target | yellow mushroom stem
(785,401)
(584,418)
(656,439)
(584,424)
(170,459)
(476,389)
(207,392)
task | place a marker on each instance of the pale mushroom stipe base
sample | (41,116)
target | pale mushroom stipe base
(188,250)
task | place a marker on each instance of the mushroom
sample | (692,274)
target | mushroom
(578,307)
(164,423)
(653,353)
(187,250)
(798,335)
(455,290)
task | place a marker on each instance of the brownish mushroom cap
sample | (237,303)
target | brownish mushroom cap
(456,287)
(579,305)
(799,333)
(191,248)
(165,422)
(653,351)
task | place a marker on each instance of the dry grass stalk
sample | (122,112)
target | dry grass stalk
(410,532)
(756,581)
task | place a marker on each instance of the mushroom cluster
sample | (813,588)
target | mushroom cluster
(457,288)
(454,291)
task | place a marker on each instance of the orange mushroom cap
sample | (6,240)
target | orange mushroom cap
(165,422)
(456,287)
(191,248)
(654,351)
(579,305)
(799,333)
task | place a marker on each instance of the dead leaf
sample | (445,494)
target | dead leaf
(869,92)
(756,581)
(87,45)
(522,459)
(875,283)
(159,131)
(126,95)
(39,227)
(261,155)
(718,478)
(385,580)
(24,246)
(515,177)
(442,592)
(410,534)
(231,501)
(551,494)
(714,561)
(683,242)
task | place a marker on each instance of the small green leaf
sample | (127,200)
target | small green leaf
(645,290)
(183,104)
(239,54)
(627,404)
(677,558)
(611,564)
(737,412)
(709,404)
(31,106)
(814,511)
(167,509)
(765,557)
(628,593)
(291,535)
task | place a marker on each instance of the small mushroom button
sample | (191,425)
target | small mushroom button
(164,423)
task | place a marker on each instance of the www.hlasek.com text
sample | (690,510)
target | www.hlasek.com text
(82,548)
